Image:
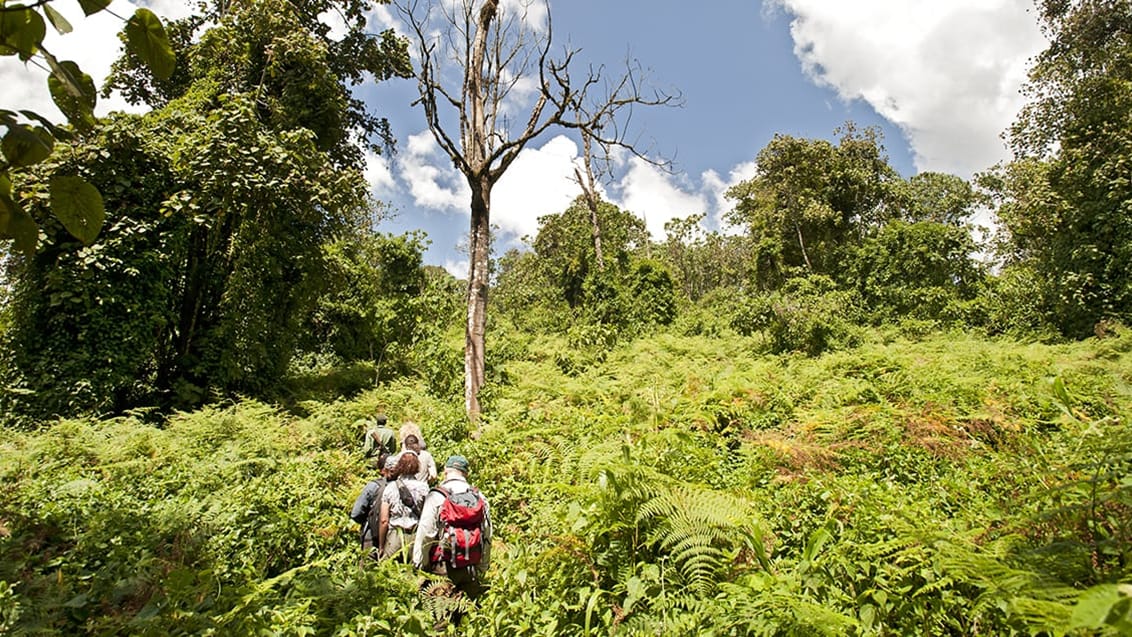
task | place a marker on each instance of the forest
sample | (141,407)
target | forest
(856,415)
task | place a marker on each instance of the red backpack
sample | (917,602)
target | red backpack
(461,528)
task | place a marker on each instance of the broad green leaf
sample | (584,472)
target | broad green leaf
(56,132)
(21,32)
(91,7)
(15,222)
(146,38)
(25,146)
(73,92)
(57,20)
(1094,606)
(78,205)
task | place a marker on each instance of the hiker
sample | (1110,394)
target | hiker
(367,506)
(454,533)
(378,438)
(400,503)
(410,428)
(427,471)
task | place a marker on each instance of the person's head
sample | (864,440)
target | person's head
(408,465)
(456,463)
(388,466)
(413,443)
(380,419)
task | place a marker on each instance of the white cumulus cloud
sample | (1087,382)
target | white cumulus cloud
(716,186)
(93,44)
(433,181)
(540,182)
(947,73)
(656,196)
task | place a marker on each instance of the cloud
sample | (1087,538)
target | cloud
(379,176)
(947,73)
(457,267)
(93,44)
(715,188)
(540,182)
(654,195)
(433,181)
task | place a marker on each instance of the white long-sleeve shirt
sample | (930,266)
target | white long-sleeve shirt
(428,529)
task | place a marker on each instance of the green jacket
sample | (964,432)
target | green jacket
(379,440)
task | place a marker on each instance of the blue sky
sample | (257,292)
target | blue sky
(940,79)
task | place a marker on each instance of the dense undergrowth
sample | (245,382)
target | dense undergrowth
(952,485)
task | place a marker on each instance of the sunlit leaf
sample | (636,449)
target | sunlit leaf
(57,20)
(25,146)
(78,205)
(21,32)
(74,93)
(146,38)
(90,7)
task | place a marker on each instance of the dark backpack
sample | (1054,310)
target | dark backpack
(461,528)
(373,516)
(407,499)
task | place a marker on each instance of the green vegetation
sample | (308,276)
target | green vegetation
(945,485)
(837,421)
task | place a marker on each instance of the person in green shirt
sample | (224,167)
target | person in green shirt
(379,438)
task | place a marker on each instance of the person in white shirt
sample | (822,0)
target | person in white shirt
(466,579)
(427,472)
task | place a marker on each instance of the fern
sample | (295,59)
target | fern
(702,531)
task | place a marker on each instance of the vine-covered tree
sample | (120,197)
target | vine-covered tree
(810,200)
(227,192)
(1078,239)
(568,254)
(496,48)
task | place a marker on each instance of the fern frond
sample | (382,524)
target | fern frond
(701,530)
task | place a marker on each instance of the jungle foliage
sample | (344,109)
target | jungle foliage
(945,485)
(832,417)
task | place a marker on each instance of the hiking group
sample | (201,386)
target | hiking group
(441,527)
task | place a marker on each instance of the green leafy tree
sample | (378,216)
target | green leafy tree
(30,137)
(1079,120)
(924,270)
(934,197)
(567,252)
(367,308)
(702,262)
(810,201)
(256,179)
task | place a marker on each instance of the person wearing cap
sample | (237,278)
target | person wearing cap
(429,528)
(370,497)
(379,438)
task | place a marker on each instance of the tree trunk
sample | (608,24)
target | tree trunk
(589,191)
(476,327)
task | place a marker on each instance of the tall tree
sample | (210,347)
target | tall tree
(500,50)
(810,199)
(250,167)
(1079,125)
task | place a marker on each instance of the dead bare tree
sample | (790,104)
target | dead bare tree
(497,50)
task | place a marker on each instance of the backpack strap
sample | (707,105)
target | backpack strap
(407,499)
